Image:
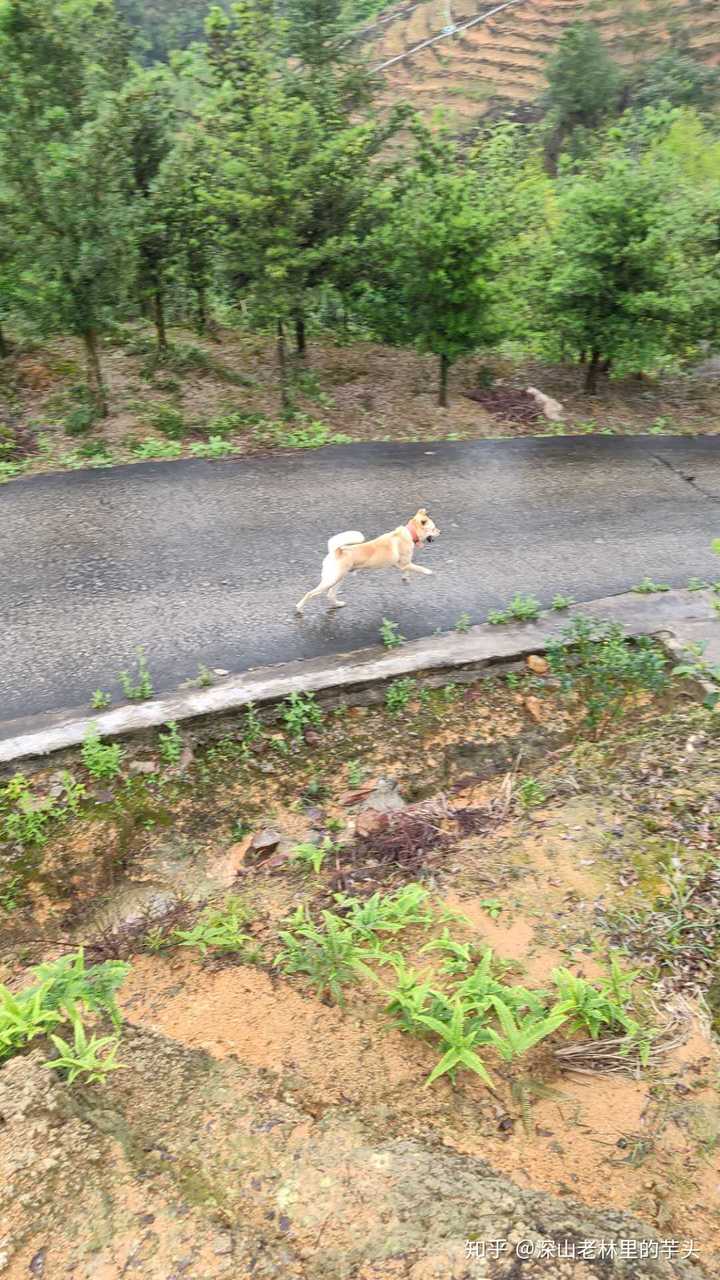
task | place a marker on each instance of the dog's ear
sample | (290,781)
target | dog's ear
(422,512)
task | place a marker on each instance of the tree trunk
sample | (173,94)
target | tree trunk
(4,348)
(591,375)
(443,389)
(95,374)
(300,344)
(606,365)
(282,367)
(200,309)
(159,318)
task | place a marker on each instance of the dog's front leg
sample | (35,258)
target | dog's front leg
(417,568)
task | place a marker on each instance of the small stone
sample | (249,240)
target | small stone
(143,766)
(37,1263)
(220,671)
(222,1244)
(266,840)
(370,821)
(537,664)
(533,706)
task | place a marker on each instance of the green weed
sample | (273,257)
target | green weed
(308,434)
(520,609)
(390,634)
(597,1009)
(100,700)
(149,450)
(398,694)
(69,982)
(355,773)
(220,929)
(214,447)
(463,623)
(25,818)
(301,712)
(170,744)
(166,419)
(521,1033)
(328,954)
(530,793)
(461,1040)
(648,587)
(387,913)
(138,687)
(561,602)
(102,760)
(22,1018)
(597,661)
(92,1058)
(313,855)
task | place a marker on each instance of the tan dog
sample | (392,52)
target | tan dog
(349,551)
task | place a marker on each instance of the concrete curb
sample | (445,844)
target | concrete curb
(481,647)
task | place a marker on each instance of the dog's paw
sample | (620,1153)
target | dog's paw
(299,611)
(339,604)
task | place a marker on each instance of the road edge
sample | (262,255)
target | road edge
(481,647)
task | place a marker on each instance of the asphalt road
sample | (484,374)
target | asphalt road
(203,561)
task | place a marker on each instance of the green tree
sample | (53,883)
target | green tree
(298,161)
(433,264)
(584,88)
(147,112)
(62,162)
(678,78)
(183,191)
(616,280)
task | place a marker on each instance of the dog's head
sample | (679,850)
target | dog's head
(424,527)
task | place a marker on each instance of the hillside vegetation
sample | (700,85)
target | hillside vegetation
(246,192)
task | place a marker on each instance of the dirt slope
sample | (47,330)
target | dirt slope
(502,59)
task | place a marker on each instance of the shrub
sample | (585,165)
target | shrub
(596,661)
(166,419)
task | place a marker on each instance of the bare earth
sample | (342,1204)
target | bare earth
(257,1131)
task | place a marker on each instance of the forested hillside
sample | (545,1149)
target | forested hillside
(163,25)
(256,187)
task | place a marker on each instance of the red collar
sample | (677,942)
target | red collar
(410,526)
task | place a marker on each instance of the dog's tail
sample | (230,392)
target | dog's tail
(348,539)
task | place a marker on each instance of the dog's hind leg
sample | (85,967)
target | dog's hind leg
(332,597)
(316,591)
(332,572)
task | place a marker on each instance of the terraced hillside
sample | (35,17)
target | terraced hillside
(501,57)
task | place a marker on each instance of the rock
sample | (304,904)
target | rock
(537,664)
(187,756)
(370,821)
(312,737)
(222,1244)
(385,798)
(220,671)
(143,766)
(37,1263)
(358,793)
(266,840)
(552,409)
(534,707)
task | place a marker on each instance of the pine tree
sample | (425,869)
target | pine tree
(433,265)
(63,164)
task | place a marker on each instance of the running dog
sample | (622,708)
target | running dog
(349,551)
